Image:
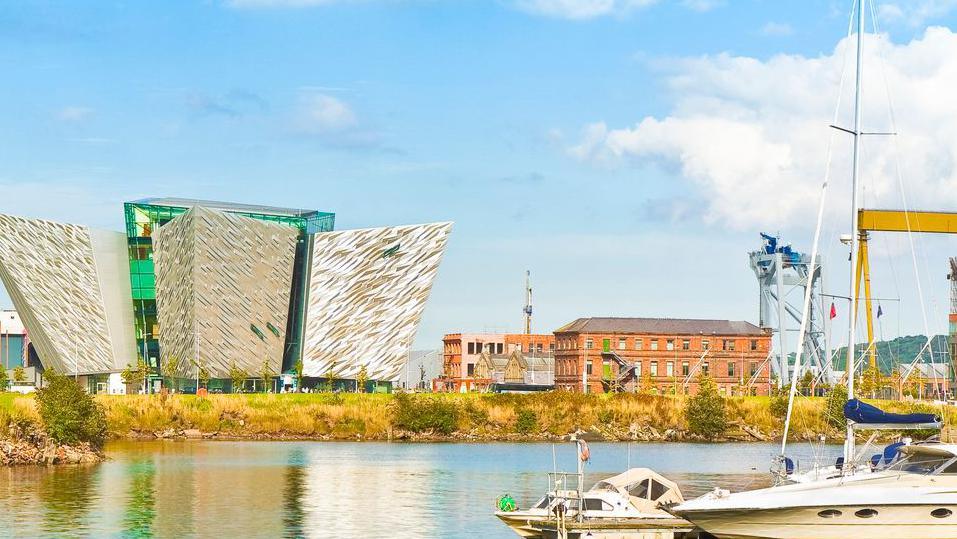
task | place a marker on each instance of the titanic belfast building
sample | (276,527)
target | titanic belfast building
(217,285)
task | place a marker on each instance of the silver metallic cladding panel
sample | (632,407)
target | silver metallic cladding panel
(367,290)
(218,274)
(70,286)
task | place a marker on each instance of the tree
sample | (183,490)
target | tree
(135,376)
(171,370)
(805,383)
(331,377)
(203,377)
(361,379)
(706,412)
(4,380)
(834,408)
(266,373)
(237,376)
(69,414)
(19,374)
(872,381)
(299,369)
(646,384)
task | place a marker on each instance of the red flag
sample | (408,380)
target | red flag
(833,312)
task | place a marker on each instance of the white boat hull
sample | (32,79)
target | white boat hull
(891,522)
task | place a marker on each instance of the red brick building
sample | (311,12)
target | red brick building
(664,355)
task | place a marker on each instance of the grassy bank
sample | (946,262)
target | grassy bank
(443,416)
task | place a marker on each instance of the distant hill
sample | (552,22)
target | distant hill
(901,350)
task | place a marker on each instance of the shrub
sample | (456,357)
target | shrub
(834,408)
(779,403)
(527,422)
(4,380)
(69,414)
(419,414)
(706,412)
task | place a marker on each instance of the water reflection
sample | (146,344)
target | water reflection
(326,489)
(141,499)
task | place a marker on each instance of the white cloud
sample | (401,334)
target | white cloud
(581,9)
(701,5)
(322,113)
(915,12)
(74,113)
(748,137)
(777,29)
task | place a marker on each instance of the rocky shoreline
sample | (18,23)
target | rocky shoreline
(24,452)
(634,433)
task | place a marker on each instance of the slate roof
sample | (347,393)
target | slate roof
(661,326)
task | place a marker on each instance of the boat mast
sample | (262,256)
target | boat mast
(851,352)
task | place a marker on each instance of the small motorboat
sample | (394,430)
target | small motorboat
(626,505)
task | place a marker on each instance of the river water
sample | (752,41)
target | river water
(331,489)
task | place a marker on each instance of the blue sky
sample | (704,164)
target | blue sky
(478,112)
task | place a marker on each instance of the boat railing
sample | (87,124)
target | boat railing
(567,488)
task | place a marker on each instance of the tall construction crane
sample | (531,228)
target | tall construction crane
(868,221)
(528,302)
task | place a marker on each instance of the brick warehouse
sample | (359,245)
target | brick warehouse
(461,351)
(623,354)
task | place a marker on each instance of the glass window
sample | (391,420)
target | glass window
(670,344)
(638,344)
(654,344)
(657,490)
(654,368)
(638,368)
(685,368)
(704,367)
(621,344)
(597,504)
(686,344)
(588,367)
(754,344)
(670,369)
(730,368)
(589,344)
(640,490)
(471,369)
(705,344)
(754,368)
(499,347)
(920,464)
(471,347)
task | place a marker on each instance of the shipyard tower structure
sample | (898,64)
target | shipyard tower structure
(217,286)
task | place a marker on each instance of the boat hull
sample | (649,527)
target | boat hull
(890,522)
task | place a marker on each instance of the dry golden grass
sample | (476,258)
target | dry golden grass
(351,416)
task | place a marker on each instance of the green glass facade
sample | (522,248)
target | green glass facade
(144,217)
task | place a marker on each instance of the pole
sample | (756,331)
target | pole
(852,315)
(584,370)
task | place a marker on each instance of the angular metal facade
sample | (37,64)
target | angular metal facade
(367,290)
(70,285)
(223,284)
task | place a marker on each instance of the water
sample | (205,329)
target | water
(329,489)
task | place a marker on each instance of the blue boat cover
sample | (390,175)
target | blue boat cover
(861,412)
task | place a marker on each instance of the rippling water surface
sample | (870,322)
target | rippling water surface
(327,489)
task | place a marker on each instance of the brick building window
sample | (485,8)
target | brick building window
(754,368)
(589,344)
(731,368)
(621,344)
(551,346)
(588,368)
(754,344)
(728,344)
(686,344)
(670,344)
(654,368)
(638,344)
(638,368)
(499,347)
(654,344)
(704,368)
(670,369)
(540,348)
(471,347)
(685,368)
(471,369)
(705,344)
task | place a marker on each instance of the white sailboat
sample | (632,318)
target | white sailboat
(910,493)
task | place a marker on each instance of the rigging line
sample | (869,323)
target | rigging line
(900,182)
(814,267)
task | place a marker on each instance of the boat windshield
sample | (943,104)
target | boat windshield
(923,464)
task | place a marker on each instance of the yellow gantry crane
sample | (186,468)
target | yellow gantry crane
(868,221)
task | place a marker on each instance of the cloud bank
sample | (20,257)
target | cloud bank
(748,138)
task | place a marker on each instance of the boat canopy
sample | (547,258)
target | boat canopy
(642,483)
(867,416)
